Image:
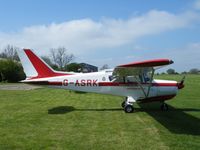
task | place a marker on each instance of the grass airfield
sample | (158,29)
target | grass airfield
(59,119)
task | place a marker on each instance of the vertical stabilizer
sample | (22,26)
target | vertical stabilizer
(35,67)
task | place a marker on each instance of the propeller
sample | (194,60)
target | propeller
(181,84)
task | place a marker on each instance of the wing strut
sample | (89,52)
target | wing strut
(151,79)
(146,94)
(141,87)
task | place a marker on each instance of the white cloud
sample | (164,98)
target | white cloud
(197,5)
(82,36)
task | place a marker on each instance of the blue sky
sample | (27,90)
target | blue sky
(106,32)
(21,13)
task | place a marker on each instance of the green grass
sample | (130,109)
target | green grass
(60,119)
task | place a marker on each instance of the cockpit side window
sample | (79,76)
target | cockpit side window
(142,77)
(111,77)
(146,77)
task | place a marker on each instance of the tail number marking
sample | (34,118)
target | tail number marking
(82,82)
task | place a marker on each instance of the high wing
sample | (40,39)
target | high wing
(149,63)
(137,68)
(139,72)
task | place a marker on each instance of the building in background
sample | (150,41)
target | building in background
(88,68)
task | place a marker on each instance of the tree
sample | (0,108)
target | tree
(194,71)
(10,52)
(60,57)
(11,71)
(184,72)
(171,71)
(47,60)
(105,66)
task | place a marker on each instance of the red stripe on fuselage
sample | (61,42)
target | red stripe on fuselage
(108,83)
(44,83)
(120,84)
(134,84)
(56,83)
(164,84)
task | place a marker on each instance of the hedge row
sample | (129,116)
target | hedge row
(11,71)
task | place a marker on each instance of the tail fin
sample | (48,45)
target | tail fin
(35,67)
(181,84)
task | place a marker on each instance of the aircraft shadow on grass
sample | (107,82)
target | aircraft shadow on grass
(67,109)
(176,120)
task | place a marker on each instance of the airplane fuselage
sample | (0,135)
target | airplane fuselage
(100,82)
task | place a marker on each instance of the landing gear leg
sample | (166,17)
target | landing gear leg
(164,107)
(123,104)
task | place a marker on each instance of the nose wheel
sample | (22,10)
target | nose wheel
(127,105)
(129,108)
(164,107)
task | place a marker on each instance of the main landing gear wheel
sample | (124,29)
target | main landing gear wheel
(164,107)
(128,108)
(123,104)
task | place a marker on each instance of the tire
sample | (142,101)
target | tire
(128,109)
(123,104)
(164,107)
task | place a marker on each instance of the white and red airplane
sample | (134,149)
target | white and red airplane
(134,81)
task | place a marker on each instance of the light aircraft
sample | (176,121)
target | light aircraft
(134,81)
